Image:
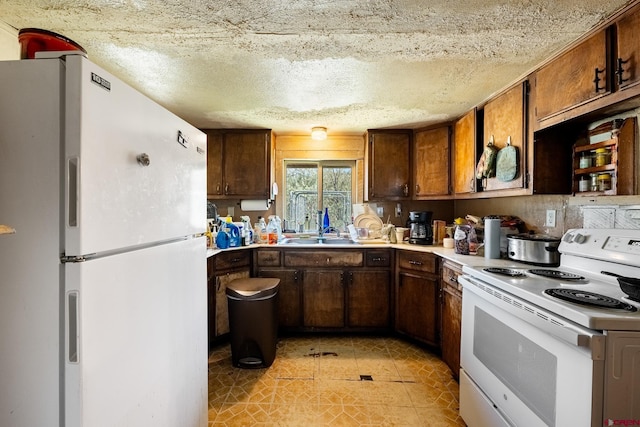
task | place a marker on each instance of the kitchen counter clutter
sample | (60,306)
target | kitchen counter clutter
(450,254)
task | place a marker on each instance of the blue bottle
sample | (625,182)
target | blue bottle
(325,223)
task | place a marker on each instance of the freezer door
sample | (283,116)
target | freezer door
(136,338)
(135,173)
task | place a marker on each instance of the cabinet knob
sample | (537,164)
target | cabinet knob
(226,189)
(417,189)
(405,190)
(453,279)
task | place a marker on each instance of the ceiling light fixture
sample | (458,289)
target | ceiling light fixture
(319,133)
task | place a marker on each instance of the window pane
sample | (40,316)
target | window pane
(302,191)
(301,195)
(336,194)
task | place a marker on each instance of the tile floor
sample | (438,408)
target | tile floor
(316,381)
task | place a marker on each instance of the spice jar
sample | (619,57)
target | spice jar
(585,161)
(583,184)
(604,182)
(594,182)
(603,156)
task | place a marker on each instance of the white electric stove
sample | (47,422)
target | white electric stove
(529,332)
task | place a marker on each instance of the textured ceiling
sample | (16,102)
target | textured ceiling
(289,65)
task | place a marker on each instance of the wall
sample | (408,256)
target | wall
(9,46)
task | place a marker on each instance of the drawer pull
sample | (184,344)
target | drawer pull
(412,262)
(235,260)
(453,279)
(378,259)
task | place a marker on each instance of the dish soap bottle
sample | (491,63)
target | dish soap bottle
(325,222)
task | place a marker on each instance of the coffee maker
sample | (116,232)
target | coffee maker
(420,231)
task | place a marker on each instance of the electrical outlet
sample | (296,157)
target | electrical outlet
(398,210)
(551,218)
(231,211)
(380,211)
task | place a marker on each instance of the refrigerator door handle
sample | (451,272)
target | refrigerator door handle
(73,181)
(72,328)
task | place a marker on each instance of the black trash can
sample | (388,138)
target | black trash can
(253,321)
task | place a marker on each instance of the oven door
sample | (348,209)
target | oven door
(525,366)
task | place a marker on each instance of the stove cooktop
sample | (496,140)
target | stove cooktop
(531,287)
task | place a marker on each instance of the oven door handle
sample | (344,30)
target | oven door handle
(590,340)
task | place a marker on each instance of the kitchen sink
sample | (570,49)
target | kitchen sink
(317,241)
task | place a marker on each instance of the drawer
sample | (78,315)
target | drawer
(332,258)
(378,258)
(450,273)
(268,258)
(232,259)
(418,261)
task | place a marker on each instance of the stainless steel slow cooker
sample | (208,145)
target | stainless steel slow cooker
(538,249)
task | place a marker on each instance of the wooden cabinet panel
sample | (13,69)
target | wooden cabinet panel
(323,299)
(326,258)
(431,163)
(232,259)
(627,63)
(369,299)
(289,296)
(504,117)
(417,261)
(451,316)
(268,258)
(388,164)
(246,164)
(238,163)
(568,81)
(417,307)
(464,154)
(214,164)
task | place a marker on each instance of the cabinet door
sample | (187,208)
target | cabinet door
(246,164)
(504,117)
(451,328)
(417,307)
(323,298)
(464,154)
(628,61)
(214,164)
(576,77)
(368,299)
(388,165)
(222,308)
(289,296)
(431,163)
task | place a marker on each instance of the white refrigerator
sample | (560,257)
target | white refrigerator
(103,286)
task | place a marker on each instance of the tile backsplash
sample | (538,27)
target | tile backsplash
(611,216)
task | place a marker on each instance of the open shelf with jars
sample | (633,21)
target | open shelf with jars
(595,167)
(606,167)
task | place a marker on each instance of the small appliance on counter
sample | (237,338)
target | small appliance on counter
(536,249)
(420,230)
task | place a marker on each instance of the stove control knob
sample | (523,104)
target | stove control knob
(568,238)
(580,238)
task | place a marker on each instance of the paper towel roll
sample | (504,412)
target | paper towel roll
(254,205)
(492,238)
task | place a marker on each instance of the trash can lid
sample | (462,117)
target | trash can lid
(253,286)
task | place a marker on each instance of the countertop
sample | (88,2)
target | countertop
(450,254)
